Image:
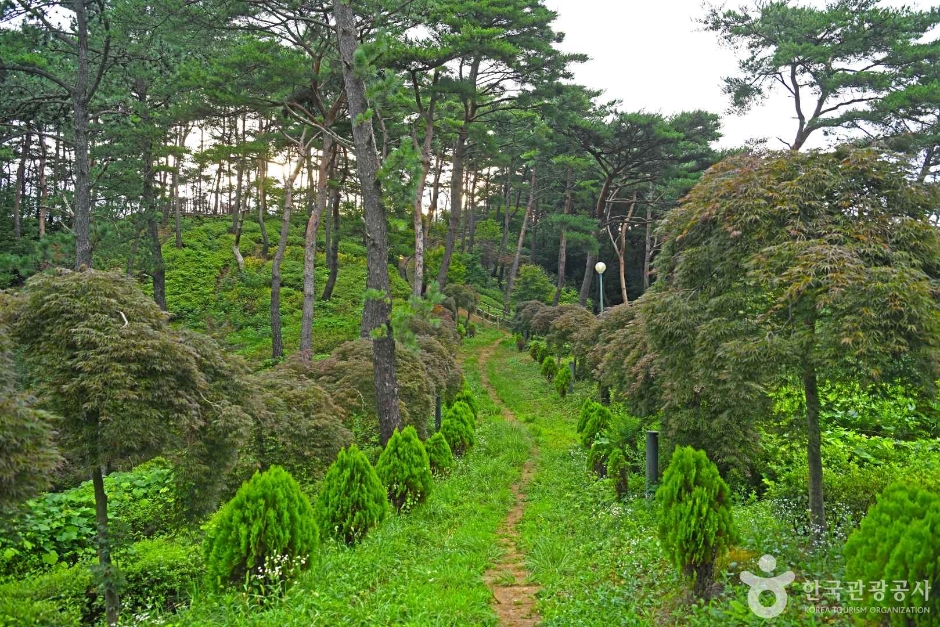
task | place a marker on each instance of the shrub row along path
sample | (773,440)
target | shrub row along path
(508,578)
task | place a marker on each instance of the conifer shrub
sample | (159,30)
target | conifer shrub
(264,535)
(598,419)
(440,456)
(563,380)
(695,523)
(466,396)
(586,408)
(618,471)
(462,410)
(597,458)
(543,352)
(457,427)
(472,329)
(898,541)
(404,468)
(352,499)
(520,342)
(549,368)
(535,350)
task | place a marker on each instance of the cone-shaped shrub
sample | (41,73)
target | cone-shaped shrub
(563,380)
(466,396)
(543,353)
(439,454)
(265,534)
(695,524)
(404,469)
(520,342)
(535,350)
(586,408)
(352,499)
(549,368)
(618,471)
(458,428)
(898,541)
(598,419)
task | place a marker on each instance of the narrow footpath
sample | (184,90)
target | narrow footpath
(508,578)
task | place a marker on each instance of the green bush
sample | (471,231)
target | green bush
(549,368)
(404,468)
(60,526)
(440,456)
(618,471)
(535,350)
(352,499)
(457,427)
(587,407)
(158,574)
(898,541)
(264,535)
(596,422)
(597,457)
(520,342)
(543,353)
(563,380)
(466,396)
(472,329)
(695,523)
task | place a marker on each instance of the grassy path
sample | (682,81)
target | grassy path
(509,578)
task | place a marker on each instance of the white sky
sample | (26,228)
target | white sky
(652,55)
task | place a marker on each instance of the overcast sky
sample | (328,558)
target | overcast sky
(653,56)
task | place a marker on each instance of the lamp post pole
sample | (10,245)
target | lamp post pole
(600,266)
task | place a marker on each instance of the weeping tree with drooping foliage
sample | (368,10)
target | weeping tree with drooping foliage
(404,468)
(28,455)
(123,384)
(786,269)
(695,523)
(352,499)
(263,536)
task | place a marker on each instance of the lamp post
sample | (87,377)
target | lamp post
(600,266)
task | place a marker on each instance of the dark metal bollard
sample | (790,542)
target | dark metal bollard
(652,462)
(571,381)
(437,413)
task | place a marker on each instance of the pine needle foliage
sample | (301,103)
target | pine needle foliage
(352,499)
(466,396)
(458,428)
(266,533)
(405,469)
(898,541)
(695,523)
(563,380)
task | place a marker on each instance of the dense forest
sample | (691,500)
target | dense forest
(364,312)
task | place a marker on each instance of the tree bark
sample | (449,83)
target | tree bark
(177,201)
(277,340)
(310,248)
(425,151)
(20,190)
(81,203)
(376,315)
(648,247)
(456,180)
(111,600)
(43,185)
(814,450)
(515,262)
(333,253)
(563,242)
(263,206)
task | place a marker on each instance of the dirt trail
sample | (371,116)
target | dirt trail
(513,597)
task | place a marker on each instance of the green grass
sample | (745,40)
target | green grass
(206,291)
(598,559)
(420,568)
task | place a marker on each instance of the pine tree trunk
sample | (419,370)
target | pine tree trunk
(310,248)
(20,190)
(43,185)
(515,262)
(563,242)
(376,316)
(277,340)
(263,206)
(81,203)
(456,181)
(333,254)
